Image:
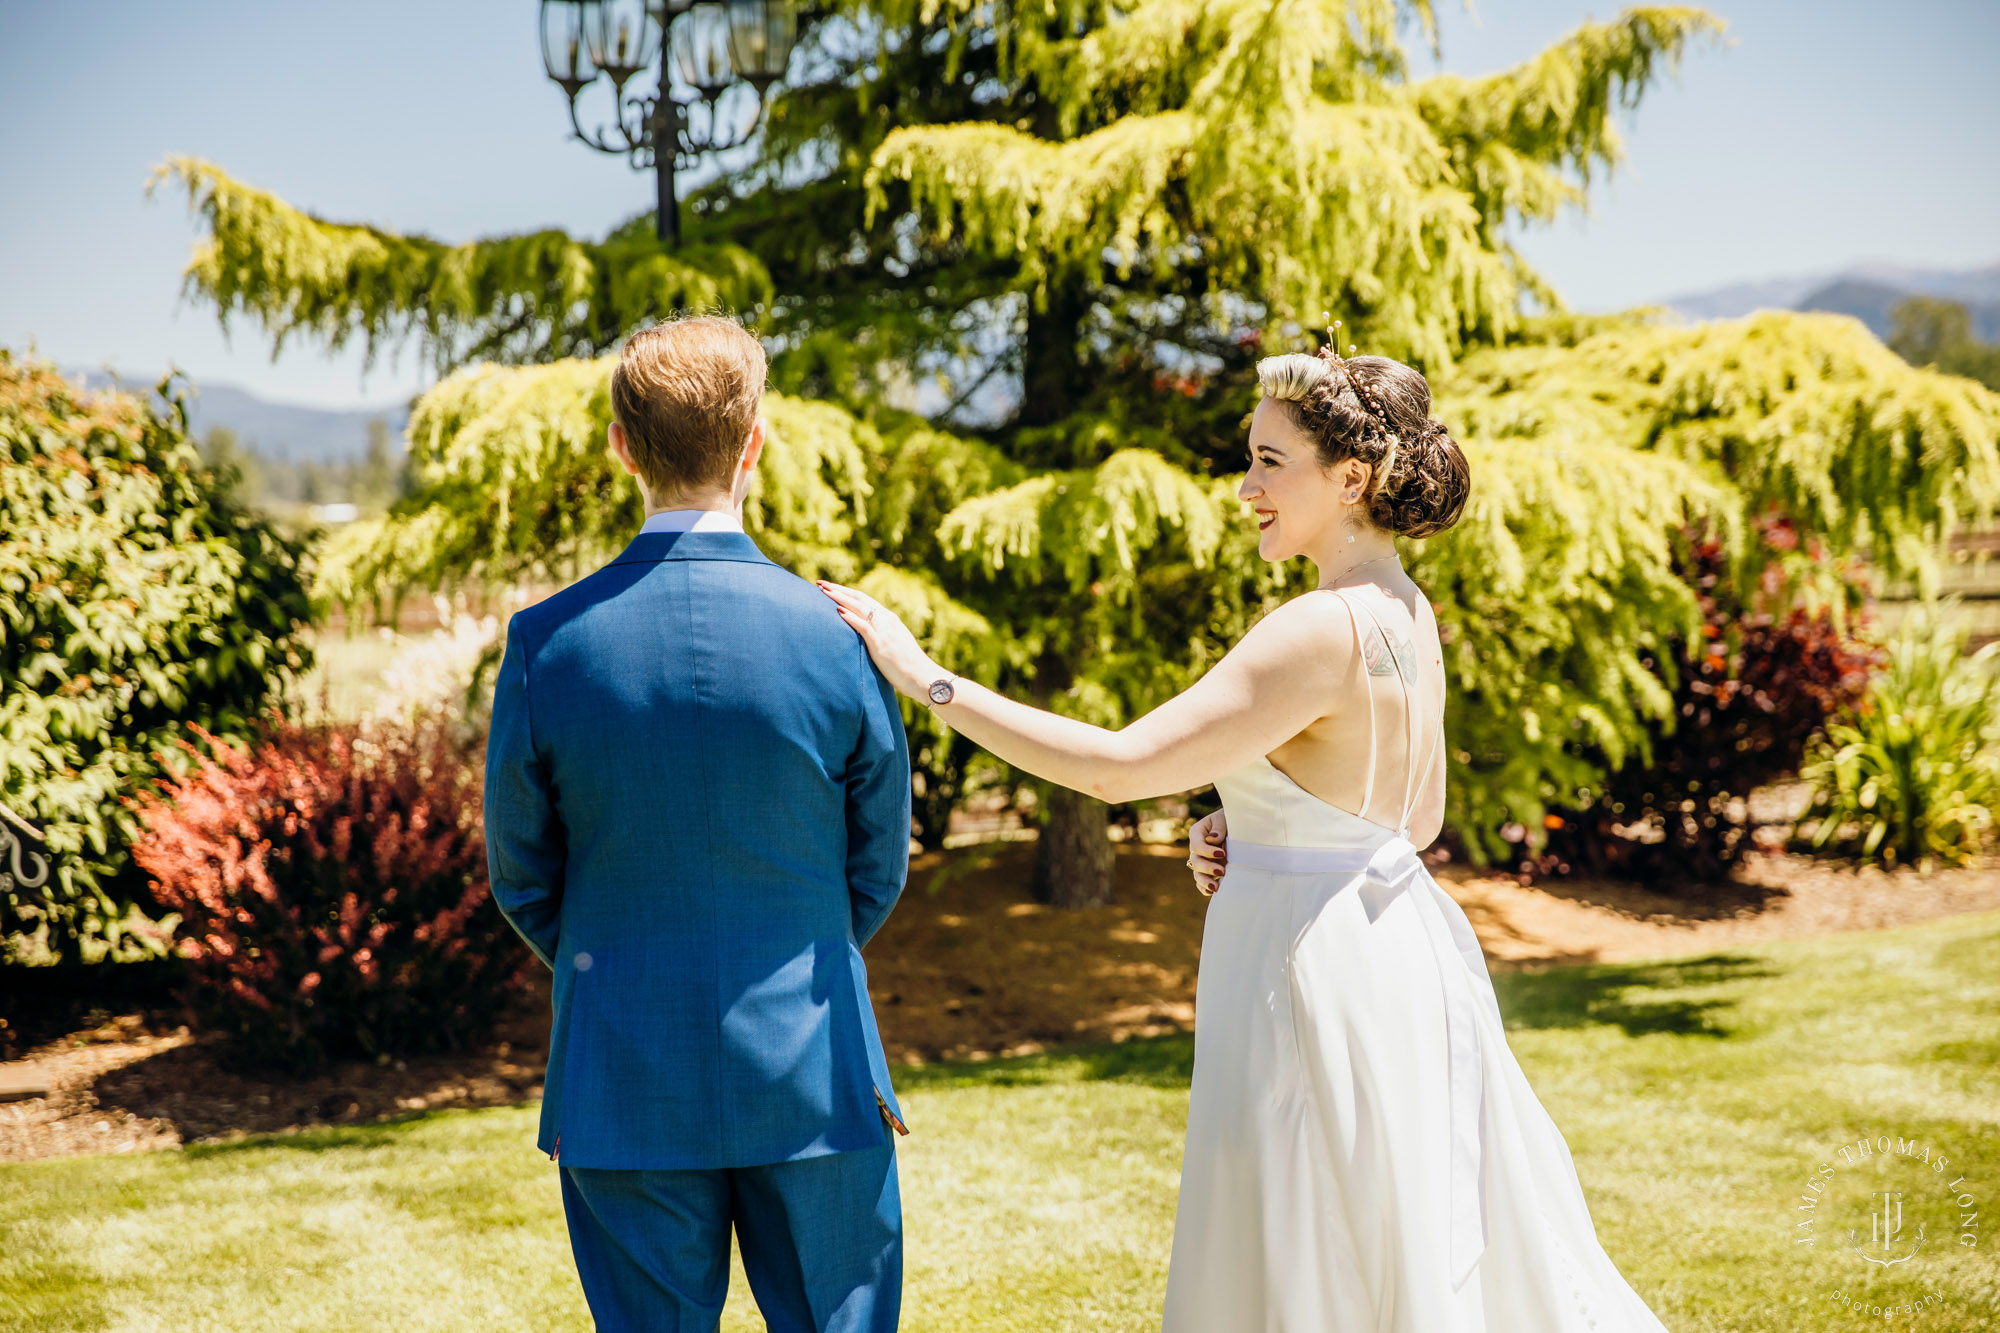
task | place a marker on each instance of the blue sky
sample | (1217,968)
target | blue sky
(1826,132)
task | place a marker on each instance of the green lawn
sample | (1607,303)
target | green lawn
(1697,1095)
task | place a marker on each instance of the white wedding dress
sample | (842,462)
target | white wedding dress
(1364,1153)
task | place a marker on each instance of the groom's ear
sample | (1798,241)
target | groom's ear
(622,449)
(753,446)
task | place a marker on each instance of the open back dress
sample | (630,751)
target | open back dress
(1364,1153)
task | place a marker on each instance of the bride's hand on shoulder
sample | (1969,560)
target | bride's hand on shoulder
(896,651)
(1208,853)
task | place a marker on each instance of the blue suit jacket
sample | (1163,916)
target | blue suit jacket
(697,812)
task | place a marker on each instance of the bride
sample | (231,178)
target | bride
(1364,1153)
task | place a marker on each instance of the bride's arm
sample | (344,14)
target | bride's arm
(1276,681)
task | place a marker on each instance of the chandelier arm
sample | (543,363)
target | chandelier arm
(695,148)
(674,122)
(599,140)
(690,147)
(637,124)
(637,134)
(644,151)
(735,141)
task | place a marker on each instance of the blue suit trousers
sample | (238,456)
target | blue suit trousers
(821,1239)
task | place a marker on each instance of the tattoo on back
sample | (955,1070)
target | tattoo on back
(1375,654)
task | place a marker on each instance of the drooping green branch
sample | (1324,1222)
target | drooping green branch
(534,297)
(1518,136)
(1805,413)
(514,479)
(1264,144)
(1090,526)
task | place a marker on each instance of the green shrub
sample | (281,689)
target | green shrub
(135,597)
(1911,775)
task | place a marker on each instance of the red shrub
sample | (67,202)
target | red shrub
(333,894)
(1764,678)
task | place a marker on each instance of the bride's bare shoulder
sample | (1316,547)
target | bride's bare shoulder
(1320,622)
(1333,624)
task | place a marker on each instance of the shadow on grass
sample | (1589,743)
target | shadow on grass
(1158,1062)
(1612,995)
(1568,997)
(1592,995)
(383,1133)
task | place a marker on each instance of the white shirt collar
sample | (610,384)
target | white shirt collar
(692,520)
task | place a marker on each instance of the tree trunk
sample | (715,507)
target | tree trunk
(1073,862)
(1049,369)
(941,769)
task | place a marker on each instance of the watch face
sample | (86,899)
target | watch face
(940,691)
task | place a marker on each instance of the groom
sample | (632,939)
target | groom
(697,812)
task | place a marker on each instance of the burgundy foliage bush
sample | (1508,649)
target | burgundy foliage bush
(333,893)
(1764,678)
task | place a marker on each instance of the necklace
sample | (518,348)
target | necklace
(1331,583)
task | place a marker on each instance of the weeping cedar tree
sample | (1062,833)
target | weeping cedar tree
(1085,223)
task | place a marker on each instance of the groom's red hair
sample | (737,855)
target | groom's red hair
(686,393)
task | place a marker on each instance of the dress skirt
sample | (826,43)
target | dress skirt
(1364,1153)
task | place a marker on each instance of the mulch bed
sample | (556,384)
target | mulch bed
(141,1080)
(968,967)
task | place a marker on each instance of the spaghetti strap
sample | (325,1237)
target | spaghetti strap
(1409,718)
(1361,647)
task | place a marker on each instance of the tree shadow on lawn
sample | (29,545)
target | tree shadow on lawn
(1572,997)
(1672,903)
(136,1083)
(1158,1062)
(384,1133)
(1569,997)
(1602,994)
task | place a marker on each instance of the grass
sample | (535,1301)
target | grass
(1698,1096)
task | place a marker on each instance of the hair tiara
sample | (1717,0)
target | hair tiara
(1331,352)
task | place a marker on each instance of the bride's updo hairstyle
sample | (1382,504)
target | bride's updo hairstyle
(1378,411)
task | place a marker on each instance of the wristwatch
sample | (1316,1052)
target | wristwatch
(941,690)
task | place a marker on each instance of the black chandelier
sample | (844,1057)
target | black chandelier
(713,45)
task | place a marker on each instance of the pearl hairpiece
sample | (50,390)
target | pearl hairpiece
(1332,353)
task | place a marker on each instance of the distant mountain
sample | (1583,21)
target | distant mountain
(1871,302)
(1977,286)
(1866,291)
(1740,299)
(278,431)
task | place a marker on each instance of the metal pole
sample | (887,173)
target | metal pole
(666,142)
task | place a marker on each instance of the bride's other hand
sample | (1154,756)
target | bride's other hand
(896,651)
(1208,853)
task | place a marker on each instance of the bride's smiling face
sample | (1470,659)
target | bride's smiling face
(1296,499)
